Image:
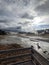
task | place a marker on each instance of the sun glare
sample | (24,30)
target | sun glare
(37,20)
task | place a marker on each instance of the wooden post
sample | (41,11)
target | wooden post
(32,50)
(32,53)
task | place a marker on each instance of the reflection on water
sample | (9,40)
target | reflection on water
(27,42)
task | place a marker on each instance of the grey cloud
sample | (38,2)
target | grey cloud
(3,21)
(26,22)
(14,7)
(5,13)
(43,9)
(27,16)
(22,3)
(26,2)
(18,2)
(19,10)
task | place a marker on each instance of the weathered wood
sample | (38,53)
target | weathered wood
(13,57)
(20,62)
(36,57)
(14,50)
(39,58)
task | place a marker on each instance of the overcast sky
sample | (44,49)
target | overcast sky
(29,14)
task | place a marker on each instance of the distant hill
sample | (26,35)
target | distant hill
(3,32)
(46,31)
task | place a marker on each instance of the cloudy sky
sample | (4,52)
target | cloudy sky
(29,14)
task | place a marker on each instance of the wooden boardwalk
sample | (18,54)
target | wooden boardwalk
(28,56)
(27,63)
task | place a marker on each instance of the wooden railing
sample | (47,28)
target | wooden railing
(36,58)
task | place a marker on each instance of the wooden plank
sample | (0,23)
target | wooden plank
(13,57)
(21,62)
(38,57)
(13,50)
